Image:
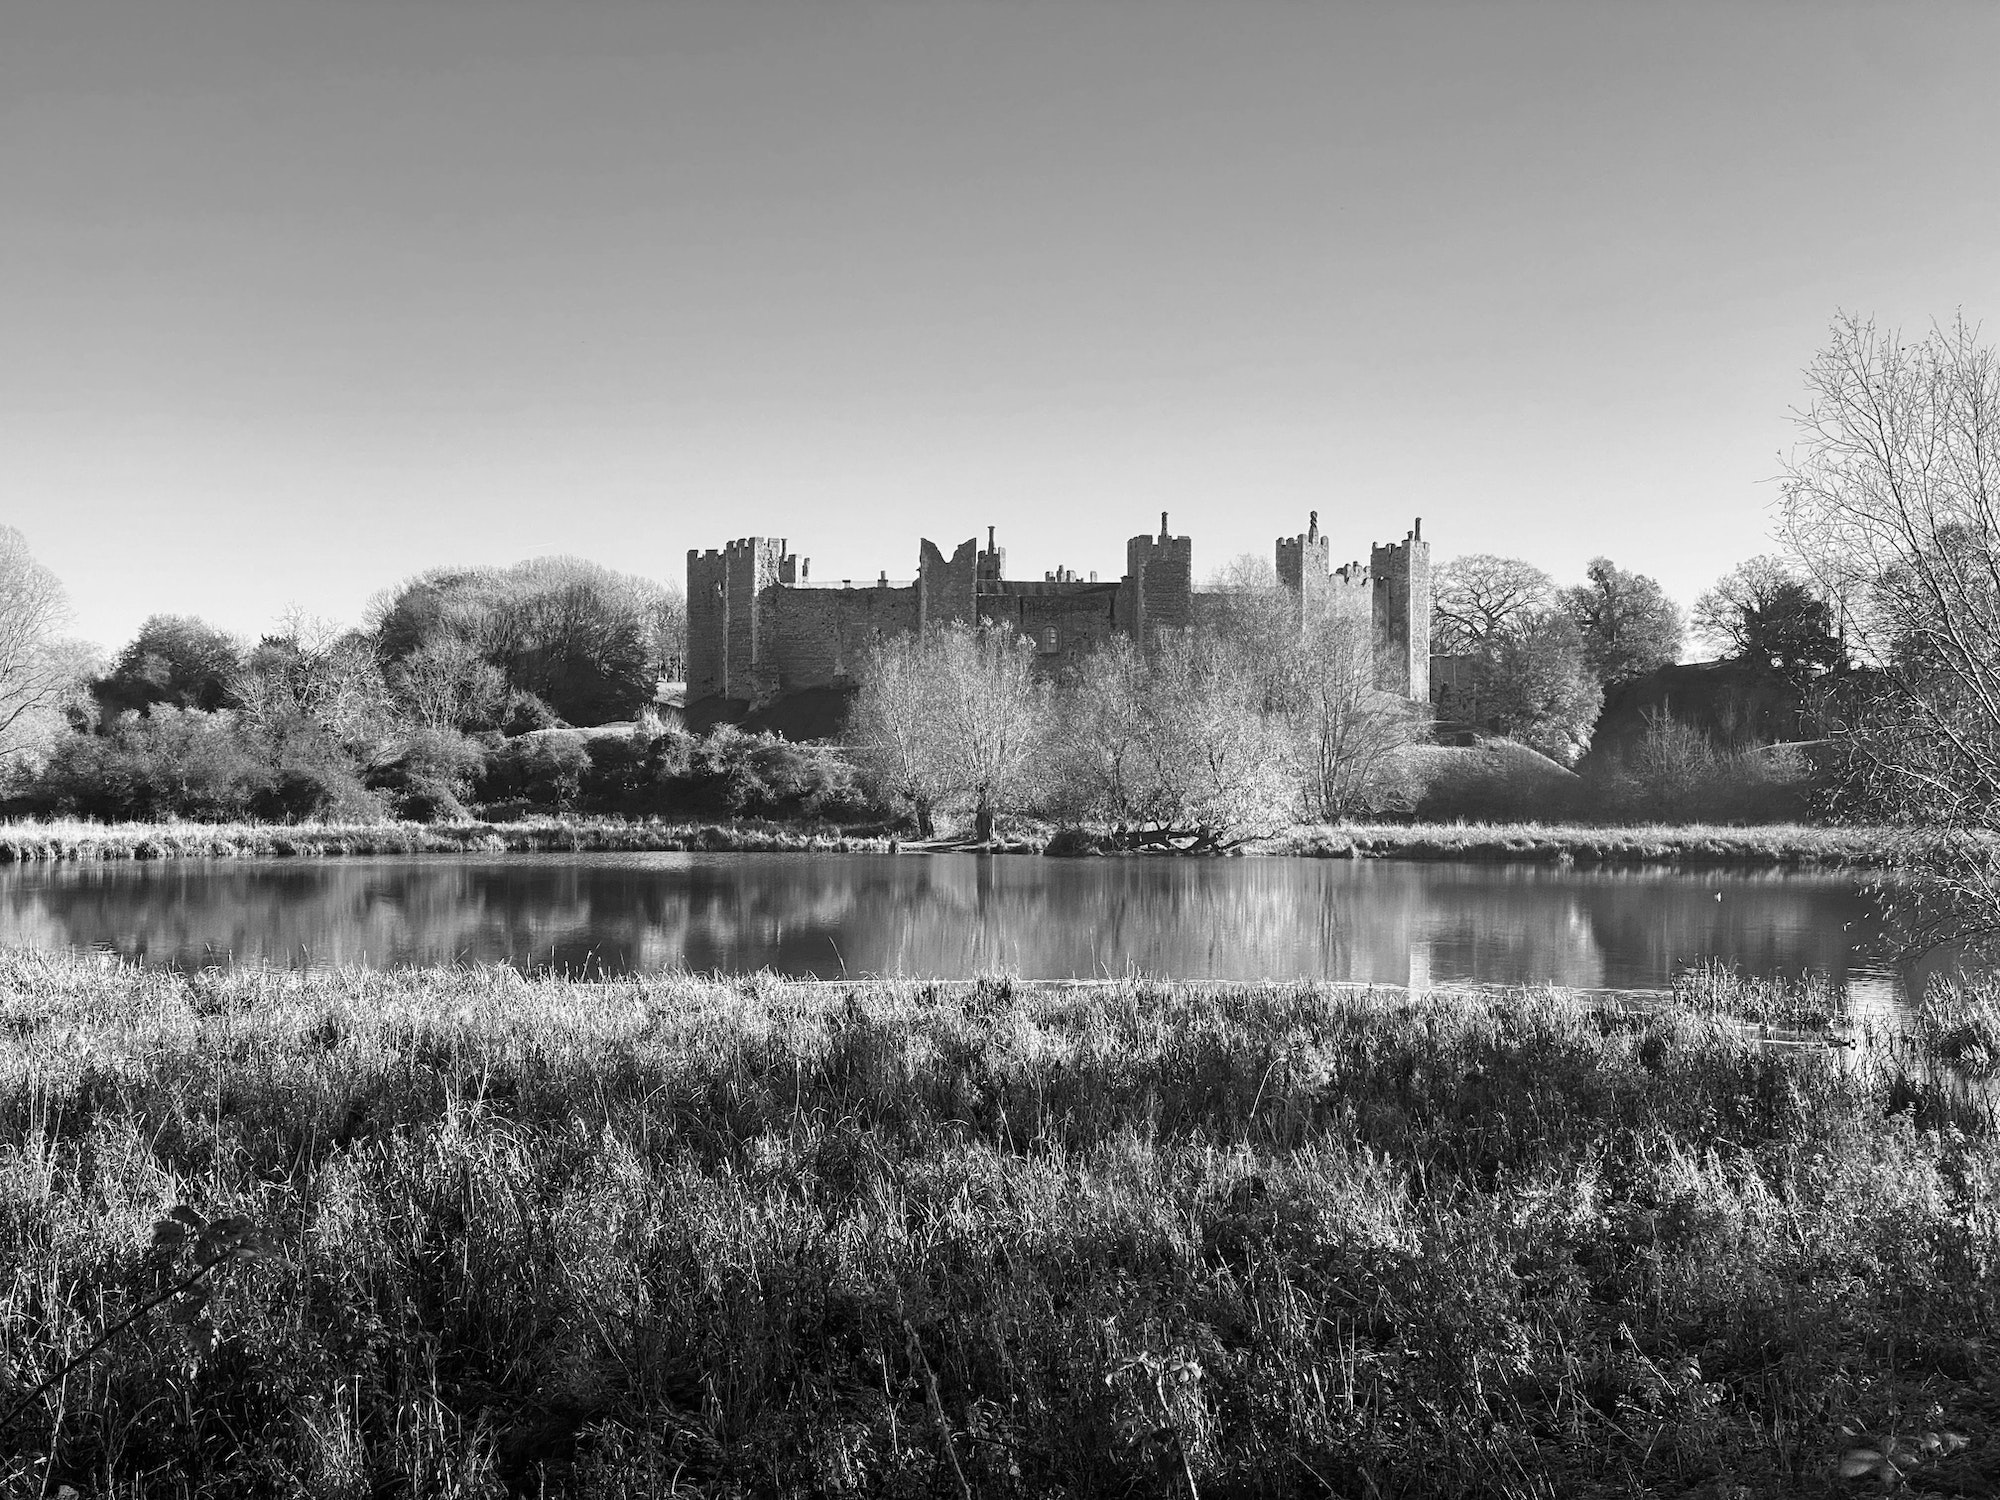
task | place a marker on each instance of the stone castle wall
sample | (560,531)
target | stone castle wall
(758,632)
(822,635)
(946,590)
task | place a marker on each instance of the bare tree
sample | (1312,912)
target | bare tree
(309,671)
(665,609)
(1475,597)
(950,719)
(1247,613)
(1890,500)
(1179,746)
(446,685)
(893,729)
(1349,737)
(40,672)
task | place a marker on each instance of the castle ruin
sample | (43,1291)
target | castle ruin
(759,630)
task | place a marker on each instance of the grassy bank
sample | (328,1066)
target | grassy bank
(1582,843)
(22,841)
(680,1237)
(1548,843)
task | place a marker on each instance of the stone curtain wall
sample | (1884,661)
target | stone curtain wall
(1082,616)
(822,635)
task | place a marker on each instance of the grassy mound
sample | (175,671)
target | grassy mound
(696,1238)
(1494,780)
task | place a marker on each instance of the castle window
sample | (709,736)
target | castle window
(1048,641)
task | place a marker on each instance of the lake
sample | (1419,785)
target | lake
(827,915)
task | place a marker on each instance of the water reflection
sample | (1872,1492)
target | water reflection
(827,915)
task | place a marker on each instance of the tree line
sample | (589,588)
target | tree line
(311,720)
(1524,658)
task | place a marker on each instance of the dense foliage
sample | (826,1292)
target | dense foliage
(1628,624)
(1769,611)
(186,764)
(176,660)
(588,642)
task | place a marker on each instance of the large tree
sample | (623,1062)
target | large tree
(176,660)
(590,642)
(1629,625)
(1767,610)
(1537,685)
(1892,501)
(1476,597)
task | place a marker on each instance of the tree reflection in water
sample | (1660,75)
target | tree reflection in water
(827,915)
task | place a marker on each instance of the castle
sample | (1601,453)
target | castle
(759,631)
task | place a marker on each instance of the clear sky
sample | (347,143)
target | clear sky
(299,297)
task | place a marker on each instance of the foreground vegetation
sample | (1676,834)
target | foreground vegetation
(476,1234)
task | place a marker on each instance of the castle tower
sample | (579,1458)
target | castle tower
(1159,580)
(1305,562)
(1401,573)
(726,634)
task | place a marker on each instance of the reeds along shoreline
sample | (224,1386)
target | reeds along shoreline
(1753,847)
(26,842)
(755,1237)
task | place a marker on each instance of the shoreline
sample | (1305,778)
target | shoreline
(1773,846)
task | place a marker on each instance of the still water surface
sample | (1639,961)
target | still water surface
(955,915)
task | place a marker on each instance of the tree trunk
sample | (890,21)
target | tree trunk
(982,822)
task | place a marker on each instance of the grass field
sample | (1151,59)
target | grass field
(476,1234)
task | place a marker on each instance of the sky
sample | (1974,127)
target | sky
(299,298)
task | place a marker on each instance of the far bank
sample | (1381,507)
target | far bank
(1762,846)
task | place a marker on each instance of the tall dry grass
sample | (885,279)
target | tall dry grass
(685,1237)
(1583,843)
(76,839)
